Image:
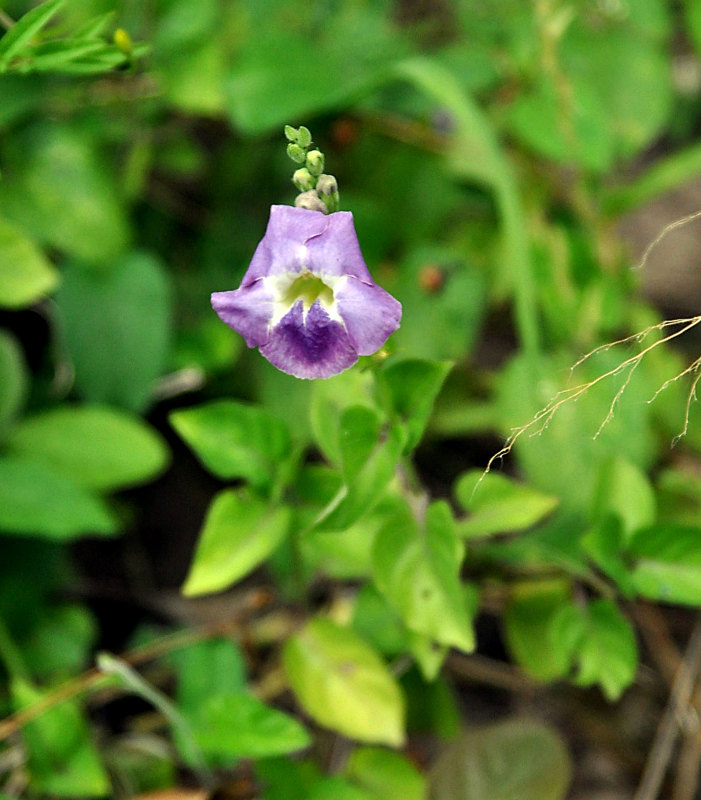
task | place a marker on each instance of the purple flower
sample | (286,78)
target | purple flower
(307,299)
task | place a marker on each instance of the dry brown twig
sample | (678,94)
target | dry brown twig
(540,421)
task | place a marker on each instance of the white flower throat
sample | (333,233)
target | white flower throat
(288,288)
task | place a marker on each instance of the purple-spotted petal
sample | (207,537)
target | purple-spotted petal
(315,347)
(247,310)
(369,313)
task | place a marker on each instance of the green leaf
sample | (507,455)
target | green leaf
(498,504)
(440,323)
(275,79)
(377,623)
(286,779)
(330,398)
(36,501)
(63,761)
(53,56)
(517,758)
(418,571)
(25,29)
(13,381)
(238,725)
(624,490)
(605,545)
(128,310)
(529,627)
(25,274)
(207,668)
(573,428)
(667,563)
(413,386)
(239,533)
(428,654)
(336,788)
(205,671)
(343,684)
(235,440)
(60,644)
(98,448)
(385,774)
(604,641)
(369,456)
(46,159)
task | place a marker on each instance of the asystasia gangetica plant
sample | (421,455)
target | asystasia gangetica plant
(399,590)
(307,300)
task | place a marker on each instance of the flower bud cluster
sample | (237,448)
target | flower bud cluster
(318,192)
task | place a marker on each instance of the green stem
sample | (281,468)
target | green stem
(132,681)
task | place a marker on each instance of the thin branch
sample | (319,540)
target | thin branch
(6,20)
(542,418)
(676,711)
(667,229)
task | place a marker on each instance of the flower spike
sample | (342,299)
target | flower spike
(307,300)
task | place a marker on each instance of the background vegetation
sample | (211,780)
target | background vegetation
(352,598)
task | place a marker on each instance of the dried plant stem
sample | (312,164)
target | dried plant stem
(542,418)
(93,678)
(678,223)
(674,715)
(6,20)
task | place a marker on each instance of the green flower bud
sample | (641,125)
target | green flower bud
(327,189)
(295,152)
(290,133)
(326,184)
(304,137)
(123,41)
(303,180)
(315,162)
(311,201)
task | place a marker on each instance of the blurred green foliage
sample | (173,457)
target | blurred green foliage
(488,152)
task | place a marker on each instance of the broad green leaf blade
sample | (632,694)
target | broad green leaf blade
(62,759)
(520,759)
(667,563)
(530,628)
(25,273)
(418,572)
(36,501)
(368,467)
(498,504)
(127,309)
(97,447)
(210,668)
(60,644)
(235,440)
(25,29)
(238,725)
(604,544)
(605,648)
(13,381)
(343,684)
(47,158)
(335,788)
(330,398)
(624,490)
(274,80)
(239,533)
(413,386)
(385,774)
